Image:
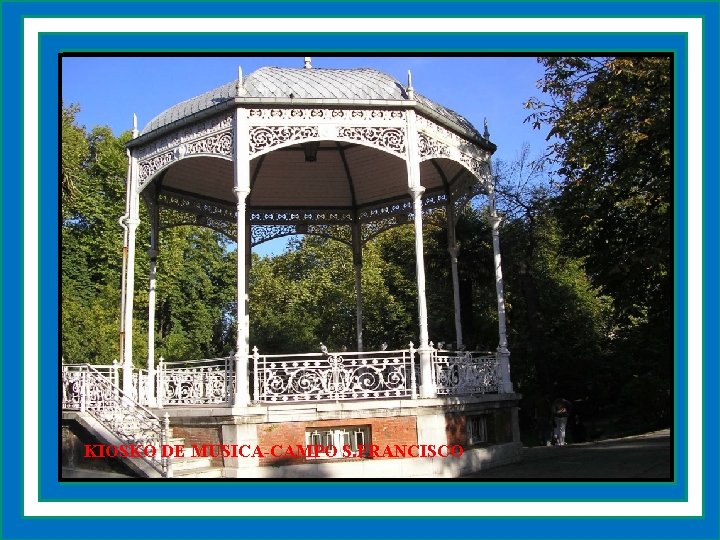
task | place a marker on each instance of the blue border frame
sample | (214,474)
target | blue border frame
(51,44)
(14,525)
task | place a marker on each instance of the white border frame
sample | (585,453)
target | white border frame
(33,27)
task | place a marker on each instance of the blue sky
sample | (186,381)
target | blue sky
(110,89)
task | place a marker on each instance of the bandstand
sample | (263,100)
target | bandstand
(341,153)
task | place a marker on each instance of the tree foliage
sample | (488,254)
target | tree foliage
(92,201)
(74,154)
(611,144)
(195,277)
(307,295)
(611,137)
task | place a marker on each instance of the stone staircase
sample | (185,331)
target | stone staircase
(91,399)
(192,466)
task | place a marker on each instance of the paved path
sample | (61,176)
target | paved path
(648,456)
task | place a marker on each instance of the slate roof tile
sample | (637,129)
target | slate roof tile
(361,84)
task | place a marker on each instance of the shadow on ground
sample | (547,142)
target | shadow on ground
(641,457)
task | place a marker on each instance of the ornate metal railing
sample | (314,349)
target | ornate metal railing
(458,373)
(139,385)
(195,382)
(112,371)
(327,376)
(87,390)
(334,376)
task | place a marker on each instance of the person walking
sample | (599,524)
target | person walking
(560,412)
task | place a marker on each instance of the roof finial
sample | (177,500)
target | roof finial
(239,89)
(135,132)
(410,90)
(486,133)
(308,62)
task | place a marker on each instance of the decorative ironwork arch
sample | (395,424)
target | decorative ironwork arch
(226,230)
(164,165)
(385,139)
(260,234)
(210,138)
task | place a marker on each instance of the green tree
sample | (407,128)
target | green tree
(307,295)
(281,308)
(92,174)
(74,155)
(611,134)
(559,320)
(196,268)
(611,144)
(195,303)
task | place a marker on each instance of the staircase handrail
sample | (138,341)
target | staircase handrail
(123,415)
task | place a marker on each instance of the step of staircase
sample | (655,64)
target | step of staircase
(203,472)
(190,463)
(192,466)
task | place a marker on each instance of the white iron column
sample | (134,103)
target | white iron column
(359,306)
(132,223)
(502,351)
(427,388)
(416,193)
(357,263)
(242,190)
(453,250)
(123,272)
(150,385)
(248,268)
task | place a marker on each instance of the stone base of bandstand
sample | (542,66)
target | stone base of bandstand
(473,460)
(406,422)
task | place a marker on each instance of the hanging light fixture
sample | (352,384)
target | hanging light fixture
(310,149)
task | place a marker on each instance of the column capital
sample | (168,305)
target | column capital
(416,191)
(241,192)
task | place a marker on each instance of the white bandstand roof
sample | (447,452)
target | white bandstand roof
(326,146)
